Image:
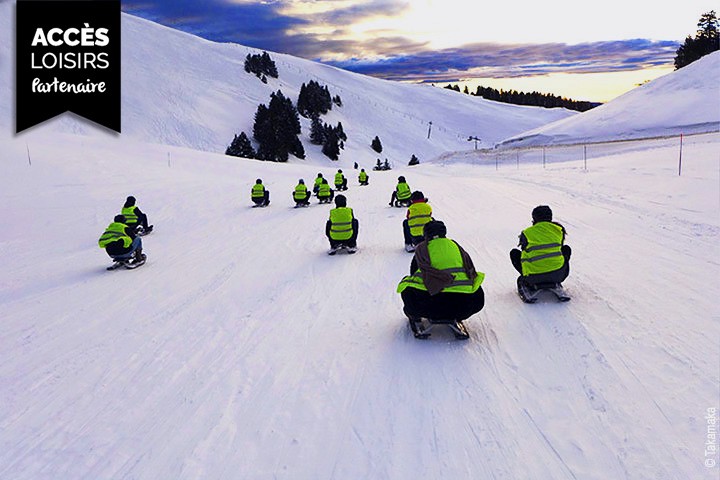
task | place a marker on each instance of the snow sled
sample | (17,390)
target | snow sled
(340,248)
(381,168)
(531,293)
(422,327)
(301,205)
(401,203)
(325,200)
(129,263)
(141,231)
(256,205)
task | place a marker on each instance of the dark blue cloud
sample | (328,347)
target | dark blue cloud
(256,25)
(503,61)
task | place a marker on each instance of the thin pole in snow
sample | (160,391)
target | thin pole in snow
(680,159)
(429,128)
(28,152)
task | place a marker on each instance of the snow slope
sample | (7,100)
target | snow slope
(685,101)
(241,350)
(179,89)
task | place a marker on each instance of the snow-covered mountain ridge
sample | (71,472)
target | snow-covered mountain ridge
(179,89)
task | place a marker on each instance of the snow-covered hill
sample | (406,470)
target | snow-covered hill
(181,90)
(685,101)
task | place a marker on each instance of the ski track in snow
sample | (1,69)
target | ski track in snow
(242,350)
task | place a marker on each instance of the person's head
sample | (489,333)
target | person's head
(417,196)
(340,201)
(542,213)
(301,181)
(320,175)
(130,201)
(339,170)
(258,181)
(362,169)
(401,179)
(119,219)
(434,229)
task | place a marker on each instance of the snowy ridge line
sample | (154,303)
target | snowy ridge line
(686,130)
(490,153)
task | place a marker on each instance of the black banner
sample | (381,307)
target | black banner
(68,59)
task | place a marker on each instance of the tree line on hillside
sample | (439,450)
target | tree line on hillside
(276,128)
(535,99)
(261,65)
(706,41)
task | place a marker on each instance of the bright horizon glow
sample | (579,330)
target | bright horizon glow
(452,23)
(591,87)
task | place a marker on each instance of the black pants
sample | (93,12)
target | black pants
(341,186)
(328,198)
(350,242)
(556,276)
(395,197)
(442,306)
(409,239)
(303,201)
(263,200)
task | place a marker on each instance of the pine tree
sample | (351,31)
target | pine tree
(340,132)
(376,145)
(276,129)
(706,41)
(241,147)
(331,148)
(317,132)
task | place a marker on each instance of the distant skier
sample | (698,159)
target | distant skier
(378,165)
(301,195)
(418,215)
(325,193)
(355,165)
(340,181)
(443,283)
(386,165)
(544,259)
(342,227)
(363,177)
(401,194)
(318,181)
(121,242)
(259,195)
(134,217)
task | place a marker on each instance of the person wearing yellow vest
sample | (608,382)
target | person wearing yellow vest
(543,257)
(342,227)
(301,195)
(340,181)
(120,241)
(443,283)
(419,213)
(318,181)
(259,195)
(401,195)
(363,177)
(325,193)
(134,217)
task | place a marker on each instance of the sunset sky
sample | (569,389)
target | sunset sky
(582,50)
